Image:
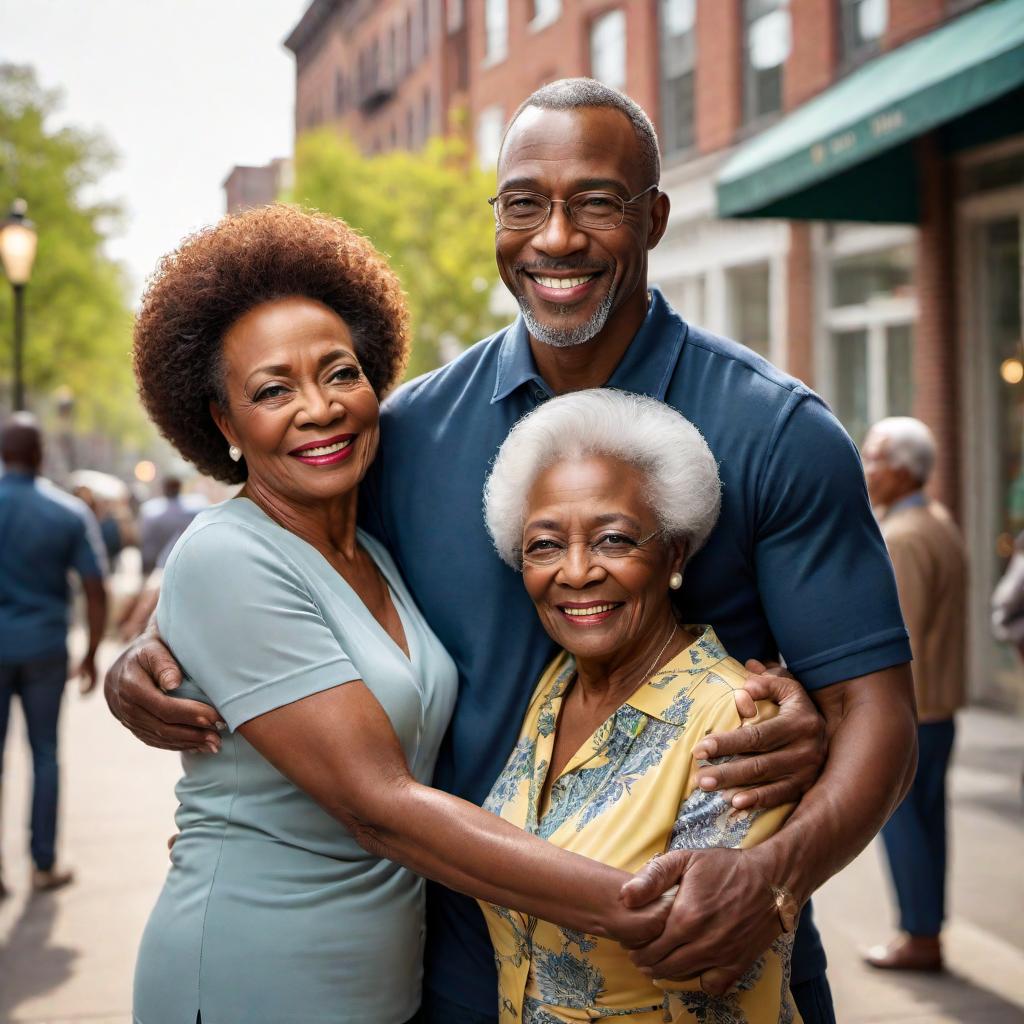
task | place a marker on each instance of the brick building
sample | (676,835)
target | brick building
(386,73)
(246,186)
(847,187)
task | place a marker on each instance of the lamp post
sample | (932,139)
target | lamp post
(17,253)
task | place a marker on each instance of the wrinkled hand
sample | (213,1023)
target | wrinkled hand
(135,689)
(86,674)
(722,919)
(780,758)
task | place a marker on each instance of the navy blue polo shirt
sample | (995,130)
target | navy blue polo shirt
(795,564)
(44,533)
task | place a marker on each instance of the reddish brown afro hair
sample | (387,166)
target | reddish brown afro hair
(219,274)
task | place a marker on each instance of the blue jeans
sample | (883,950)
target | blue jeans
(39,684)
(915,835)
(813,999)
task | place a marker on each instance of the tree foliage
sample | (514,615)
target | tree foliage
(78,322)
(428,212)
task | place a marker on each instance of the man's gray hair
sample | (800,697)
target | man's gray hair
(683,486)
(579,93)
(911,445)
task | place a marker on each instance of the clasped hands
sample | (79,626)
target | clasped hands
(723,916)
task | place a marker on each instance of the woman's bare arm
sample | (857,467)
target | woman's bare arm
(339,746)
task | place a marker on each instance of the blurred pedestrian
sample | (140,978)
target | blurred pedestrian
(162,521)
(1008,600)
(44,533)
(930,563)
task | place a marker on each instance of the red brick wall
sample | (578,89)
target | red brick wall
(936,398)
(812,61)
(911,18)
(800,303)
(719,73)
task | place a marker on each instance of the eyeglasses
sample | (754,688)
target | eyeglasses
(526,211)
(546,551)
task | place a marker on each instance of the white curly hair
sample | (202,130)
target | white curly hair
(685,492)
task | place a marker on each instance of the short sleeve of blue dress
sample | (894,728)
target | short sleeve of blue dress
(240,618)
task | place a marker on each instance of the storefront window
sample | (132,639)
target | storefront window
(863,278)
(749,305)
(871,332)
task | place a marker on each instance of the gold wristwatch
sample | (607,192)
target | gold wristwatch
(786,906)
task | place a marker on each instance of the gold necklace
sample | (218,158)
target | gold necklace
(657,657)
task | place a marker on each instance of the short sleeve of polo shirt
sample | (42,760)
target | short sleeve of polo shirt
(823,572)
(241,620)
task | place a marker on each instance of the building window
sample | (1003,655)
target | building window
(490,127)
(767,41)
(339,94)
(862,23)
(678,61)
(871,337)
(496,30)
(545,12)
(608,49)
(425,25)
(428,125)
(748,297)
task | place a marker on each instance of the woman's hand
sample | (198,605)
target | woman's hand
(635,927)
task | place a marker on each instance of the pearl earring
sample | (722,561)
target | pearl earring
(675,581)
(234,453)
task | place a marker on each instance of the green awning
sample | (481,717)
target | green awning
(846,153)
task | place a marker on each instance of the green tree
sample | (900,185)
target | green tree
(78,322)
(428,212)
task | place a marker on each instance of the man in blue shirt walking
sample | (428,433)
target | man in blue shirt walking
(44,533)
(795,565)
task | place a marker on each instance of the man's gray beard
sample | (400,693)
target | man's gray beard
(567,337)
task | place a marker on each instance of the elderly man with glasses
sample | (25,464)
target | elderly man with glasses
(794,567)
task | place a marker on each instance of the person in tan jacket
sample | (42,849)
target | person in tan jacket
(930,563)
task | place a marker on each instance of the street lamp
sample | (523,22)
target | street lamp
(17,253)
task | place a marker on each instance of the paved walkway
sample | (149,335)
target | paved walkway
(68,956)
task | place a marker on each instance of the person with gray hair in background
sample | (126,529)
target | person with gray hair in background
(930,562)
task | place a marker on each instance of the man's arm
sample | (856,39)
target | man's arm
(871,727)
(96,615)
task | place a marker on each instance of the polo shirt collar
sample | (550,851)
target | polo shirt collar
(646,368)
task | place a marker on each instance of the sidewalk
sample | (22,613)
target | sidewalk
(69,956)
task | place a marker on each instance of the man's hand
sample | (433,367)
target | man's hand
(86,674)
(718,890)
(781,758)
(135,690)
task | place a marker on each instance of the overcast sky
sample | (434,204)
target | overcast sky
(183,89)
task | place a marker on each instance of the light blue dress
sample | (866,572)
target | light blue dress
(272,912)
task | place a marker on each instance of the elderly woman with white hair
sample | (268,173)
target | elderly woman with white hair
(600,498)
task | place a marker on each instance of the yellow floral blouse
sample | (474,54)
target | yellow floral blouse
(628,793)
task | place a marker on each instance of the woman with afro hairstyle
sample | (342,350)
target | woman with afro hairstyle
(262,350)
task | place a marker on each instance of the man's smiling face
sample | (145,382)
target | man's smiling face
(571,282)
